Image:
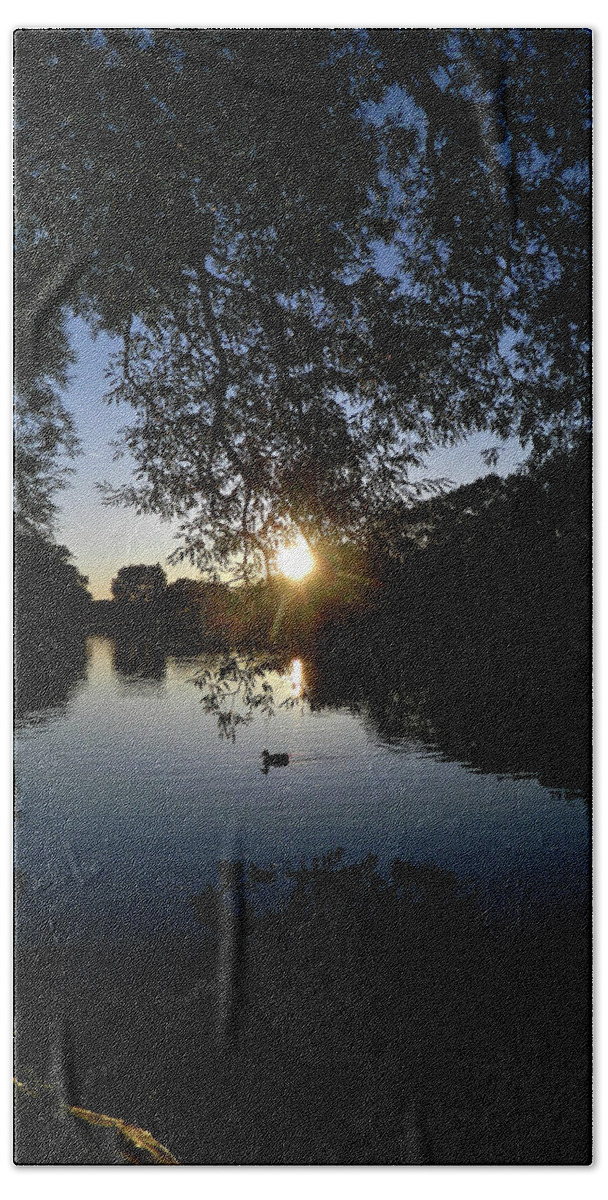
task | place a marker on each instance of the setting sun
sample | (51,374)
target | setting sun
(295,560)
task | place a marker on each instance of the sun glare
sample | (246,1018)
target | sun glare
(295,560)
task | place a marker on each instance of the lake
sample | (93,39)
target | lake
(127,798)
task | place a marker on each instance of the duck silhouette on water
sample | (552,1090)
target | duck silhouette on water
(273,760)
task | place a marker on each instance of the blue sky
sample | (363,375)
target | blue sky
(102,539)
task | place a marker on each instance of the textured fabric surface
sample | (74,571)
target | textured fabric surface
(302,824)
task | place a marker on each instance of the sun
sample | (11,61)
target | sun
(295,559)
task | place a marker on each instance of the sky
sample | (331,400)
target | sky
(102,539)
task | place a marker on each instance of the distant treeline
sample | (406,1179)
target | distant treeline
(488,578)
(502,564)
(186,613)
(195,614)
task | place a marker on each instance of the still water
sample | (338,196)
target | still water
(127,798)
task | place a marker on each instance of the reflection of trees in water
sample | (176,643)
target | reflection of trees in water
(139,658)
(510,718)
(361,1019)
(46,675)
(515,721)
(495,716)
(235,687)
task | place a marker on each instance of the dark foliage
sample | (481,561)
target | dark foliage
(306,306)
(52,607)
(51,595)
(481,636)
(139,585)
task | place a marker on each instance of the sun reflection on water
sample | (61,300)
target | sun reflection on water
(296,678)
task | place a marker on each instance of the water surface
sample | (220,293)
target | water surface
(128,798)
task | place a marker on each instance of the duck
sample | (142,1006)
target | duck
(273,760)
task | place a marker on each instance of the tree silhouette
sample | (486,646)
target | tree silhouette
(323,250)
(139,585)
(52,599)
(52,613)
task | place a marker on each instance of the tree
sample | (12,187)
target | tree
(52,600)
(324,251)
(141,585)
(52,616)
